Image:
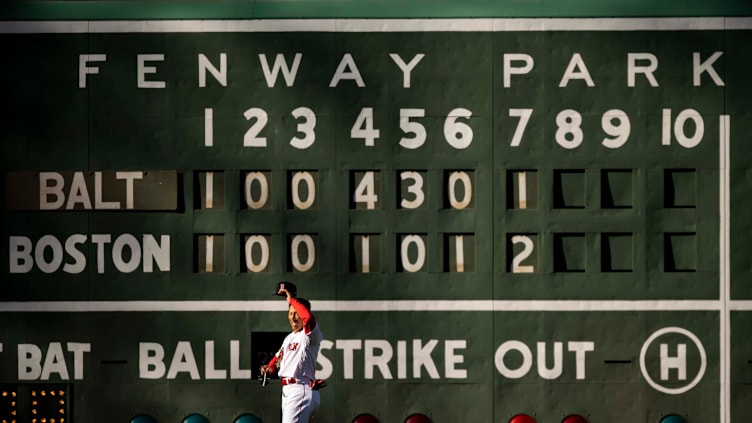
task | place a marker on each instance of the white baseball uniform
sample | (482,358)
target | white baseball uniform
(297,368)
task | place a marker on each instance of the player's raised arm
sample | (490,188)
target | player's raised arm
(303,308)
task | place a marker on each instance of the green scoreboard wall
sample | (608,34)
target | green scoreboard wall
(491,216)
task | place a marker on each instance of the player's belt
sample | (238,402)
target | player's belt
(292,381)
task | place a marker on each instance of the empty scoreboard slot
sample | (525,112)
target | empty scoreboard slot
(680,252)
(617,252)
(616,189)
(569,189)
(679,188)
(569,252)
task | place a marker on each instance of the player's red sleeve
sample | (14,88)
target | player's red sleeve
(309,322)
(271,368)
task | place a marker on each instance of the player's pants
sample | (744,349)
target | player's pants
(299,402)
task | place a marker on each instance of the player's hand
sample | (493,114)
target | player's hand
(265,370)
(318,384)
(286,292)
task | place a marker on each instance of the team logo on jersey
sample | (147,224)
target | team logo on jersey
(292,346)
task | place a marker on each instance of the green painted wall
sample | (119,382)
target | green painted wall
(582,252)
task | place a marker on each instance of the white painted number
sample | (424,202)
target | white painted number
(365,254)
(459,252)
(679,132)
(208,127)
(363,127)
(568,132)
(306,127)
(522,189)
(209,259)
(524,115)
(416,189)
(454,177)
(524,254)
(295,251)
(263,185)
(619,131)
(413,266)
(410,127)
(310,186)
(365,191)
(263,245)
(251,138)
(458,134)
(681,137)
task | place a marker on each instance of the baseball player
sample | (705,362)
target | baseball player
(296,361)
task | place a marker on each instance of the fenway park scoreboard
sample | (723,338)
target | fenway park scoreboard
(493,218)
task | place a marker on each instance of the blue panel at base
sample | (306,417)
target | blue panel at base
(247,418)
(673,418)
(195,418)
(143,418)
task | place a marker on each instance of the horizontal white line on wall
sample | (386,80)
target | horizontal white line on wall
(377,25)
(372,305)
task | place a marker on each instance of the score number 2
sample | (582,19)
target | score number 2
(528,246)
